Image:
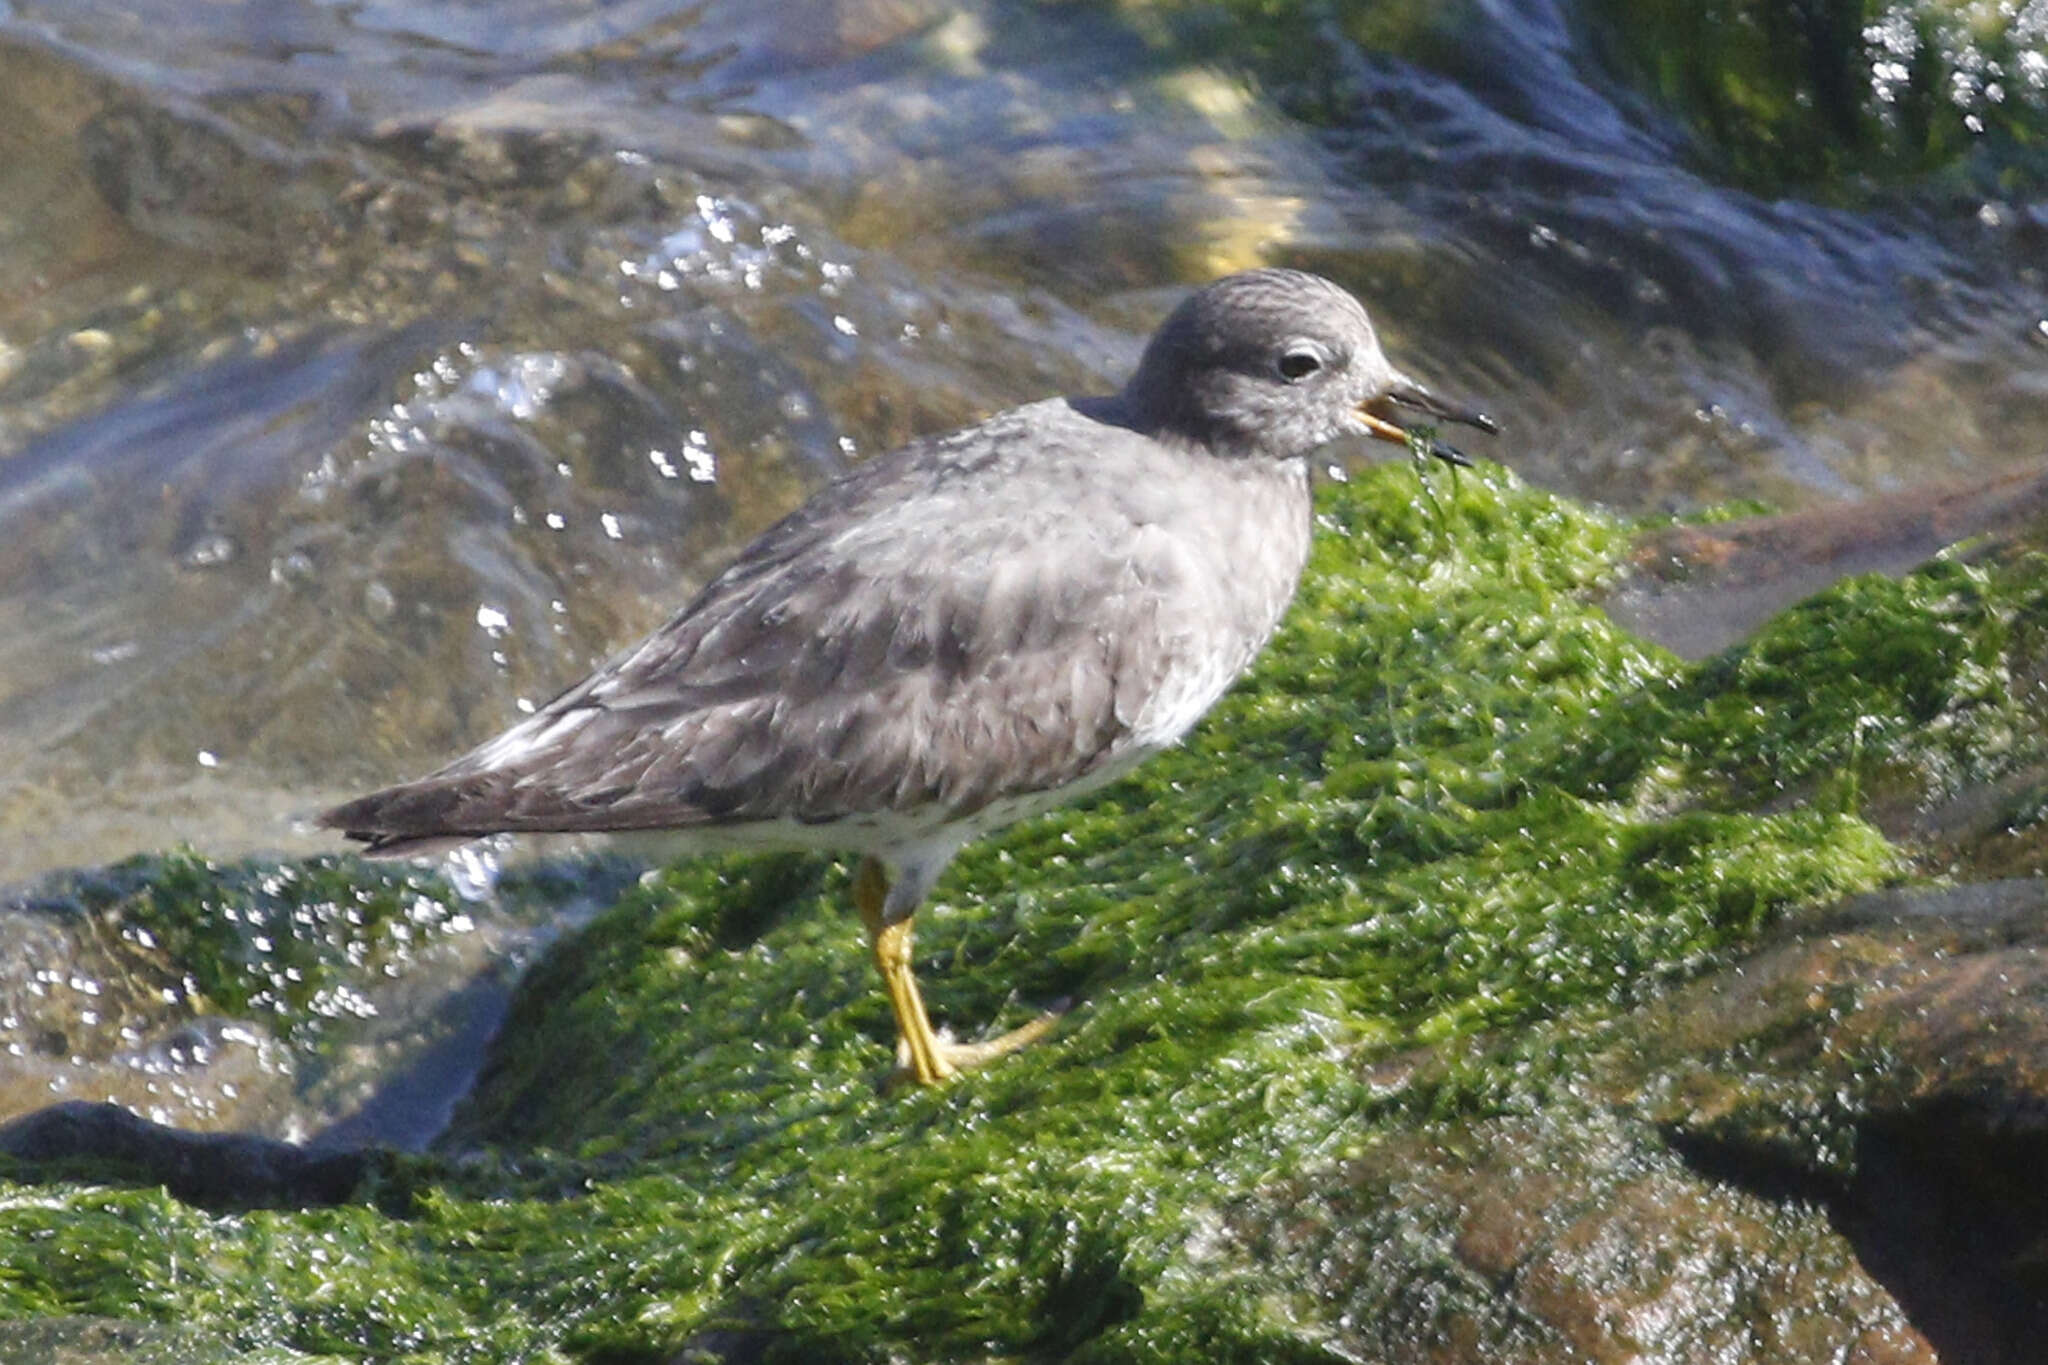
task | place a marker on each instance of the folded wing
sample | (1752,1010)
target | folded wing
(888,648)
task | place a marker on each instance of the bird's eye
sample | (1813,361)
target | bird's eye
(1299,365)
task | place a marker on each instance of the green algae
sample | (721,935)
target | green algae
(296,946)
(286,943)
(1913,683)
(1286,48)
(1453,803)
(1828,98)
(1839,100)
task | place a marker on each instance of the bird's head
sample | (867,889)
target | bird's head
(1275,363)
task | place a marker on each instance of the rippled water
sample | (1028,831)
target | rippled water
(369,370)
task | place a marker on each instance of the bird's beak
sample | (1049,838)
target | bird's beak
(1382,416)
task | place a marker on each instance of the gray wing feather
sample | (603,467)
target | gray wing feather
(887,647)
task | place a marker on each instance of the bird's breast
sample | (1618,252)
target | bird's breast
(1224,569)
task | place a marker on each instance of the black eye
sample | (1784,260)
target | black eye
(1299,365)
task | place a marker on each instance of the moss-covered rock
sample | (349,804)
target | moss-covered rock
(1834,96)
(1399,888)
(261,997)
(1566,1232)
(1832,99)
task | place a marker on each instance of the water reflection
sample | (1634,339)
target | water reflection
(368,372)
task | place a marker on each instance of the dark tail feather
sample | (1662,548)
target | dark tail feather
(421,817)
(398,846)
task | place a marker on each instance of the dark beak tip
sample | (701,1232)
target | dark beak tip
(1414,396)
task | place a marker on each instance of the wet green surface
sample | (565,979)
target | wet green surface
(283,943)
(1834,97)
(1453,801)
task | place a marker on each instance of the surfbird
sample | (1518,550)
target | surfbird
(963,632)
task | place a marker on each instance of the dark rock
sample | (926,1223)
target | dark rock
(1891,1062)
(213,1170)
(1573,1234)
(1699,589)
(1828,1151)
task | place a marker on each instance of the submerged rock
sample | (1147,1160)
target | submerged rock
(109,1341)
(1700,588)
(1570,1233)
(319,1000)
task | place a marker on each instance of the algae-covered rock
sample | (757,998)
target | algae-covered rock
(1889,1063)
(1347,1072)
(1830,97)
(1565,1233)
(217,995)
(323,998)
(1826,1151)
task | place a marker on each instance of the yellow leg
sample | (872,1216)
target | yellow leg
(921,1055)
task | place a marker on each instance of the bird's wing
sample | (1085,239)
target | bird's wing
(889,647)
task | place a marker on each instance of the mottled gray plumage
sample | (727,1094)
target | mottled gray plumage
(967,630)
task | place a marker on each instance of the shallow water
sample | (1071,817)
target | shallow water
(368,371)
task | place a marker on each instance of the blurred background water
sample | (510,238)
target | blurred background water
(369,370)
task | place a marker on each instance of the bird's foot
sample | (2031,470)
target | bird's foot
(939,1060)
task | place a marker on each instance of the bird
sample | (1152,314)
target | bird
(969,630)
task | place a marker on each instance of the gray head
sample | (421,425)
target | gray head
(1274,363)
